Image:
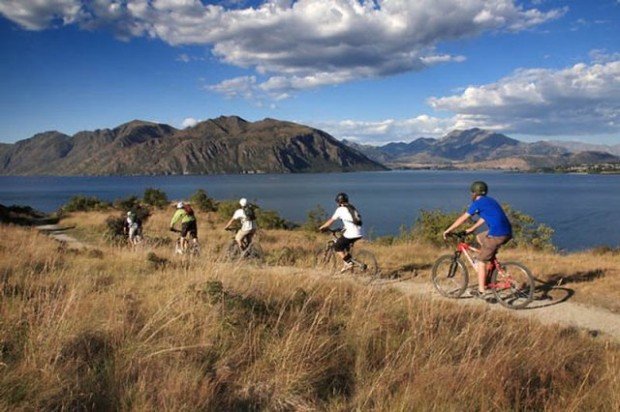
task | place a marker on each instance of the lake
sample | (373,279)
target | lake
(584,210)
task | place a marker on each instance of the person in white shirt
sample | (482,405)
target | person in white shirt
(246,215)
(352,222)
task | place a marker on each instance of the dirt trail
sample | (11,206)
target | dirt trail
(57,232)
(549,307)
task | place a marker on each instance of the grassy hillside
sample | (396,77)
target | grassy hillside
(112,329)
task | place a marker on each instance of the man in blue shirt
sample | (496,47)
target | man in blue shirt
(500,230)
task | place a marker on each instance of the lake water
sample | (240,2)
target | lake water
(584,210)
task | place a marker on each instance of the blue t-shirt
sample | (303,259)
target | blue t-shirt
(493,214)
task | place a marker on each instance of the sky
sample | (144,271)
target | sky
(372,71)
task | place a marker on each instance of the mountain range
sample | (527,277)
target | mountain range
(478,148)
(230,144)
(222,145)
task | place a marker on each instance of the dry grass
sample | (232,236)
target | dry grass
(114,331)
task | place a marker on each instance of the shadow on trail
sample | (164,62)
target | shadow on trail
(552,291)
(404,272)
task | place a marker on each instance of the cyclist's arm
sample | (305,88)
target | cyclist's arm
(327,224)
(230,222)
(458,222)
(479,223)
(177,216)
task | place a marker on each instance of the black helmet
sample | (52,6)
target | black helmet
(342,198)
(479,188)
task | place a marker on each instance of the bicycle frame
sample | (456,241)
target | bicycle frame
(463,248)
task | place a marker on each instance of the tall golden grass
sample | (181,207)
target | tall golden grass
(112,330)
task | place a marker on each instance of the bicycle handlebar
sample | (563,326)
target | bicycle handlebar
(460,235)
(333,231)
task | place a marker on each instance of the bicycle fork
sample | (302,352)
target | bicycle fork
(453,265)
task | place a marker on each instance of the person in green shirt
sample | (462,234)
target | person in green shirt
(185,214)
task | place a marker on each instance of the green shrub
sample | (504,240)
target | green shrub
(270,219)
(226,208)
(315,218)
(526,232)
(155,197)
(202,201)
(431,224)
(127,204)
(81,203)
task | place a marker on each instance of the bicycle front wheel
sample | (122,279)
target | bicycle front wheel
(365,263)
(513,285)
(450,276)
(325,260)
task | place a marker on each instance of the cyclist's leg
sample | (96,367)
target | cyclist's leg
(489,245)
(239,237)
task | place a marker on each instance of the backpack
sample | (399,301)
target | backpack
(188,209)
(248,210)
(357,218)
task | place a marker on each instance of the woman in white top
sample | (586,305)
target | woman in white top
(352,222)
(248,223)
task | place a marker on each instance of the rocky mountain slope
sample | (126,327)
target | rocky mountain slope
(222,145)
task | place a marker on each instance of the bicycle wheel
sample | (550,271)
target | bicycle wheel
(365,263)
(513,285)
(450,276)
(231,252)
(325,259)
(254,252)
(194,248)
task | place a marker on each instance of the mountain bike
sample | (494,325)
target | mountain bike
(512,283)
(363,261)
(250,249)
(185,245)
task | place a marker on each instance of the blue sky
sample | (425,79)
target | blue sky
(372,71)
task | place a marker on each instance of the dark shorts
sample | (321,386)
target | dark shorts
(191,228)
(344,244)
(490,245)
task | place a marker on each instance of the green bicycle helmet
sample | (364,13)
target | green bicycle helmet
(479,188)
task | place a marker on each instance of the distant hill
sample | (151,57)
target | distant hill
(477,148)
(222,145)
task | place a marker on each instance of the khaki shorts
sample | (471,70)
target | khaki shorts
(490,245)
(243,233)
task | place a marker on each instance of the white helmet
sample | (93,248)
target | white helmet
(180,205)
(243,201)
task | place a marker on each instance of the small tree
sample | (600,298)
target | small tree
(431,224)
(202,201)
(527,232)
(127,204)
(155,197)
(82,203)
(315,218)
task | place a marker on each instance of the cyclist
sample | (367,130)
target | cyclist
(185,214)
(352,222)
(248,223)
(499,229)
(132,226)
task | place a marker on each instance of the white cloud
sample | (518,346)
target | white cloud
(189,122)
(296,44)
(390,130)
(40,14)
(579,100)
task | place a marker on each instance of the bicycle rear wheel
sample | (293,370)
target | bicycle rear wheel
(513,285)
(325,260)
(253,252)
(365,263)
(450,276)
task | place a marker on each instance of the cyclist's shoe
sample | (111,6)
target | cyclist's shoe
(347,266)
